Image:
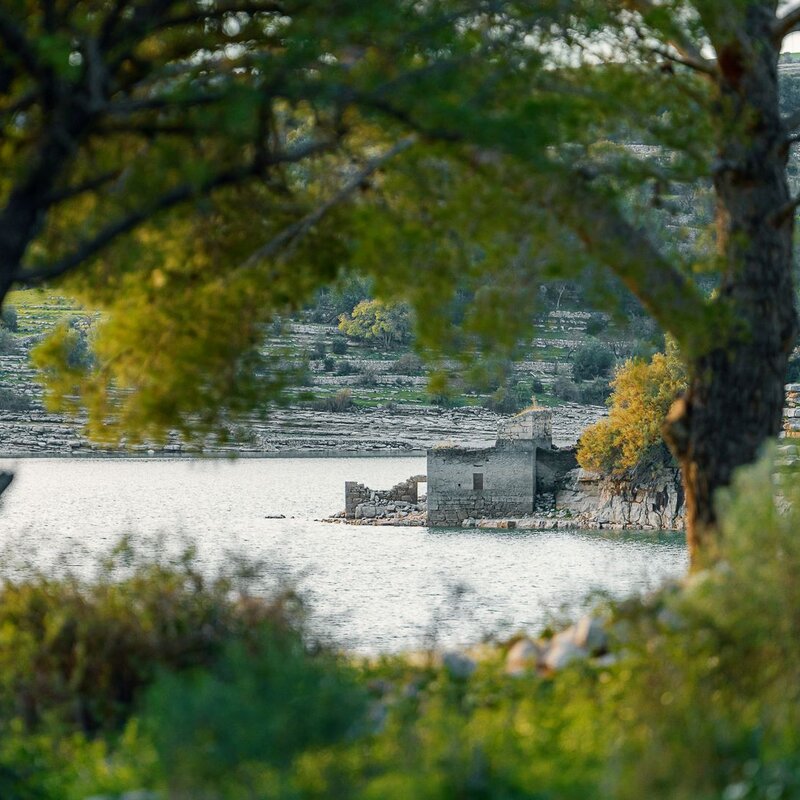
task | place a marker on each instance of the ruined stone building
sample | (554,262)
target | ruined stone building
(498,481)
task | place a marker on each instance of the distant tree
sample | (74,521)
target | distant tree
(642,394)
(376,321)
(592,360)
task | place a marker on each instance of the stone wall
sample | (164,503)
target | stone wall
(791,410)
(653,502)
(531,425)
(491,482)
(357,494)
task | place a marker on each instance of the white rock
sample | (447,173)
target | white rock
(562,651)
(588,633)
(523,656)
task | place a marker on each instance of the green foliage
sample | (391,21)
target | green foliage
(642,393)
(339,345)
(14,400)
(8,343)
(79,654)
(592,360)
(340,402)
(8,318)
(512,397)
(252,713)
(408,364)
(379,322)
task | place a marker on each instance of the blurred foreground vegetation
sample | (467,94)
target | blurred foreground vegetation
(152,679)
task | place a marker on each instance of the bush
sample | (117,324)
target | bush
(564,389)
(8,318)
(80,654)
(329,364)
(338,403)
(8,343)
(408,364)
(642,394)
(594,393)
(346,368)
(592,360)
(339,345)
(512,398)
(368,377)
(318,350)
(596,324)
(14,400)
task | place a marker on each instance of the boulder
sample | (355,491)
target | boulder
(562,652)
(588,634)
(523,656)
(458,665)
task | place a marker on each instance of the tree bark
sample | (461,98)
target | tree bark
(735,397)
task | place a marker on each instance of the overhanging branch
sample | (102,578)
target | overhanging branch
(786,24)
(668,295)
(292,234)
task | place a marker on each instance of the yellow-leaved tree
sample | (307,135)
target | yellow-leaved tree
(642,395)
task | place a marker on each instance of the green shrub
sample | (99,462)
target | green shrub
(329,364)
(594,393)
(592,360)
(14,400)
(596,324)
(78,653)
(256,708)
(408,364)
(564,389)
(8,342)
(318,350)
(346,368)
(339,345)
(511,398)
(338,403)
(8,318)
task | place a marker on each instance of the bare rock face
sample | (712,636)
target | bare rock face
(655,502)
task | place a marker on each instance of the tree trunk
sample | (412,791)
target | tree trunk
(736,391)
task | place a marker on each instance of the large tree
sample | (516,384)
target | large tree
(553,137)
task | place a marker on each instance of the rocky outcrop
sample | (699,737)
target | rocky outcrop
(650,502)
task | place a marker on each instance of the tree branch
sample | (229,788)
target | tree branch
(667,294)
(293,233)
(15,40)
(786,24)
(89,185)
(91,247)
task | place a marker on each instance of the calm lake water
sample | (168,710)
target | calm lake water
(372,589)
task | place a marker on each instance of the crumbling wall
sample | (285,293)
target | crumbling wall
(791,410)
(532,425)
(356,494)
(491,482)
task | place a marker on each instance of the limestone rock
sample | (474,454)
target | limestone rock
(562,652)
(523,656)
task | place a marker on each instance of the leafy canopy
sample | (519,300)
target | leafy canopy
(642,395)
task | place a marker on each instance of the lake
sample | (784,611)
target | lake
(370,589)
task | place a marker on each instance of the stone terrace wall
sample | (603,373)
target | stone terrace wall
(509,484)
